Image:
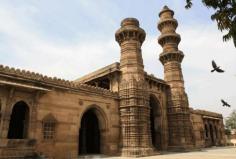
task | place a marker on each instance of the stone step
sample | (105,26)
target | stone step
(95,156)
(15,153)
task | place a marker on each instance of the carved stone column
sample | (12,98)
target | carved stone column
(180,128)
(33,115)
(134,99)
(6,116)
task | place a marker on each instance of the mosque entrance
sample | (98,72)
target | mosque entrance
(155,122)
(89,134)
(19,121)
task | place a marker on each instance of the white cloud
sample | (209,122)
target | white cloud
(37,53)
(200,44)
(32,51)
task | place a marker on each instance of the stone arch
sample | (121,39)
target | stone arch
(212,134)
(216,131)
(102,117)
(206,130)
(19,121)
(155,121)
(97,116)
(49,118)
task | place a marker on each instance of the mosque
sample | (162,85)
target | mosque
(117,110)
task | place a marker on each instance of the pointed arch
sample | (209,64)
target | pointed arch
(212,134)
(101,115)
(155,121)
(49,118)
(19,121)
(92,130)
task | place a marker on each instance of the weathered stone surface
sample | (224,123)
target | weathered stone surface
(117,110)
(181,135)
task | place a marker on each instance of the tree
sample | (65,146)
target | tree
(225,16)
(227,132)
(230,122)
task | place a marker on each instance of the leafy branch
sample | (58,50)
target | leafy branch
(225,16)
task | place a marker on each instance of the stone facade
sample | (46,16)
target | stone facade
(180,129)
(208,128)
(117,110)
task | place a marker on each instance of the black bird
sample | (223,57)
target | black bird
(225,103)
(216,68)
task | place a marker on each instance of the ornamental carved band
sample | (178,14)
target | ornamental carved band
(135,120)
(180,128)
(134,99)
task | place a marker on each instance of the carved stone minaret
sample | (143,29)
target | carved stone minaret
(180,129)
(134,99)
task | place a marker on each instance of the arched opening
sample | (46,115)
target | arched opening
(100,82)
(89,134)
(206,131)
(19,122)
(216,132)
(155,119)
(212,135)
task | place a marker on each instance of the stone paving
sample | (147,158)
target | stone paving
(208,153)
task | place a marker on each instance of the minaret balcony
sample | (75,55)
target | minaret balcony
(130,30)
(171,56)
(169,23)
(169,38)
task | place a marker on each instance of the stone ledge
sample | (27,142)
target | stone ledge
(52,81)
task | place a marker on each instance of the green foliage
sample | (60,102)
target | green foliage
(225,16)
(230,122)
(227,132)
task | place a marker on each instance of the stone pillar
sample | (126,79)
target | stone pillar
(6,116)
(208,137)
(5,124)
(180,128)
(134,99)
(217,133)
(223,140)
(33,115)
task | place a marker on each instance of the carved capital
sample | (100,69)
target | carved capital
(130,30)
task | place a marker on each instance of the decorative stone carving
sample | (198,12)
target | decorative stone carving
(81,102)
(128,121)
(180,128)
(134,99)
(53,80)
(108,106)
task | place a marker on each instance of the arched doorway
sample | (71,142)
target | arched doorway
(216,132)
(19,122)
(155,119)
(206,131)
(212,135)
(89,134)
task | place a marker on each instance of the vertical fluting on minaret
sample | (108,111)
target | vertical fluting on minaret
(134,109)
(180,129)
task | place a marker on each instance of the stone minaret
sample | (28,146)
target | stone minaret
(180,129)
(134,107)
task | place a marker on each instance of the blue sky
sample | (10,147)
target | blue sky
(68,39)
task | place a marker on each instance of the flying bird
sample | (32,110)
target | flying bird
(225,103)
(216,68)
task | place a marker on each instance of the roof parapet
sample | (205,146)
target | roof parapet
(52,81)
(99,73)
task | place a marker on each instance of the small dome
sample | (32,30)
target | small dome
(130,21)
(166,9)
